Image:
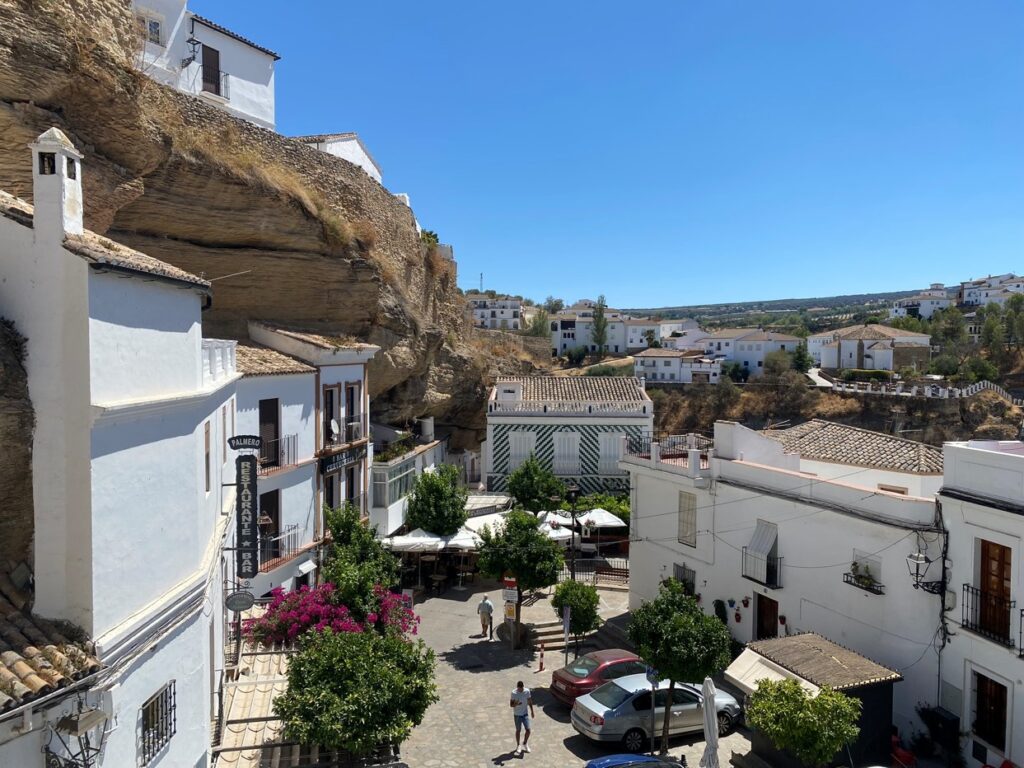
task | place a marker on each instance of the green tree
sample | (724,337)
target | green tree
(532,486)
(540,324)
(518,547)
(802,360)
(553,305)
(949,330)
(617,505)
(356,691)
(777,363)
(672,634)
(577,355)
(652,339)
(735,371)
(438,501)
(599,329)
(724,397)
(429,237)
(814,729)
(356,561)
(583,601)
(993,338)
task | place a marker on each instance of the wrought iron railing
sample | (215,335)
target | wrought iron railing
(276,549)
(351,431)
(865,582)
(987,614)
(274,454)
(1020,634)
(686,576)
(763,569)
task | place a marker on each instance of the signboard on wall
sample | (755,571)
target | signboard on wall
(246,533)
(334,462)
(245,442)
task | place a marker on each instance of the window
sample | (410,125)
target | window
(47,163)
(687,519)
(685,576)
(332,427)
(610,447)
(159,722)
(149,29)
(520,446)
(989,711)
(72,168)
(270,454)
(567,453)
(224,430)
(206,429)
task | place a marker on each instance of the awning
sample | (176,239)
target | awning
(751,667)
(462,539)
(307,567)
(417,541)
(476,524)
(600,518)
(761,545)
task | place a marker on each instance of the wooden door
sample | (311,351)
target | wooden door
(270,431)
(995,588)
(211,70)
(767,618)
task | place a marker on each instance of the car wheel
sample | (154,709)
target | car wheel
(724,723)
(634,740)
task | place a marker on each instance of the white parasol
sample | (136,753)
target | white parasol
(710,757)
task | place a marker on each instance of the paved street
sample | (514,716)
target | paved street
(472,724)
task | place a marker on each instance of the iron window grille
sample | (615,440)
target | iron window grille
(159,722)
(685,576)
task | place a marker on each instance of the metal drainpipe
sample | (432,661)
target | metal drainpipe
(944,632)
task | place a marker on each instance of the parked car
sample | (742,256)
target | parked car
(620,711)
(592,670)
(630,761)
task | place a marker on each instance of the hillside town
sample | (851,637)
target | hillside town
(288,496)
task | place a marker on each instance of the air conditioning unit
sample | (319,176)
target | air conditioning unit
(701,482)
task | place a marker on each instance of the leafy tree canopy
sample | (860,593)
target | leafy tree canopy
(599,328)
(583,601)
(356,690)
(811,729)
(552,305)
(802,360)
(533,485)
(519,547)
(617,505)
(356,561)
(539,324)
(438,502)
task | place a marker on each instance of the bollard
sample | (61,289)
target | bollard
(541,658)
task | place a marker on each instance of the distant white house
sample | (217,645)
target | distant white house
(747,346)
(873,347)
(991,289)
(498,313)
(198,56)
(693,339)
(347,146)
(667,327)
(675,366)
(572,329)
(638,332)
(924,304)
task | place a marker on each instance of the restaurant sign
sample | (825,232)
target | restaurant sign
(245,442)
(336,461)
(246,533)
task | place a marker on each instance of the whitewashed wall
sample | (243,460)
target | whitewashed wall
(349,148)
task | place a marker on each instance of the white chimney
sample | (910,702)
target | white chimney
(427,429)
(56,186)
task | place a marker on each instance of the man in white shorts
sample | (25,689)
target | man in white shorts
(522,699)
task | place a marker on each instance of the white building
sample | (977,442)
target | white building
(674,366)
(747,346)
(399,458)
(924,304)
(572,424)
(639,331)
(344,450)
(277,401)
(668,327)
(805,529)
(872,347)
(500,313)
(197,56)
(574,329)
(987,290)
(694,339)
(347,146)
(982,501)
(133,408)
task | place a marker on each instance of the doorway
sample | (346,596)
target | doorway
(766,624)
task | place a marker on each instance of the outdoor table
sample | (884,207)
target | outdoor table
(438,579)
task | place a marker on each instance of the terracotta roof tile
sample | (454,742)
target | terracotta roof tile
(662,352)
(820,440)
(15,209)
(570,388)
(36,658)
(823,662)
(256,360)
(322,340)
(225,31)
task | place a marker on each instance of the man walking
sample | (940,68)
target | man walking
(520,700)
(486,611)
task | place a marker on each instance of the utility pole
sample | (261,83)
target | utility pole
(572,493)
(481,282)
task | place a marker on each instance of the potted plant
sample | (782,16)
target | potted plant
(732,603)
(746,602)
(782,619)
(738,616)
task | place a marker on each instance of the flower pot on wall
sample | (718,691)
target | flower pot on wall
(746,602)
(782,620)
(738,616)
(732,603)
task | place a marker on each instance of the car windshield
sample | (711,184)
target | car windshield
(582,667)
(611,695)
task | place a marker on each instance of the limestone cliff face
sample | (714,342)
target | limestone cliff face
(16,423)
(317,242)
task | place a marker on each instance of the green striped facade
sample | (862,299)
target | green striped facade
(589,480)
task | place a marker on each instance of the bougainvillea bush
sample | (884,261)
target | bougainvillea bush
(291,614)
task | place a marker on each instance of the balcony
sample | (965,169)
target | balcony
(277,454)
(218,361)
(568,407)
(280,548)
(864,581)
(762,569)
(987,614)
(674,450)
(350,432)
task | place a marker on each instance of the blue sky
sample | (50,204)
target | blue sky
(677,152)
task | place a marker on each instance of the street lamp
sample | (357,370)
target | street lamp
(572,493)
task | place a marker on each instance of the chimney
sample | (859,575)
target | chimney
(56,186)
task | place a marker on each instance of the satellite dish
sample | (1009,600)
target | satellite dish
(335,428)
(239,601)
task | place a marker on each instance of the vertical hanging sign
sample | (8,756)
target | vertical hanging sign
(246,534)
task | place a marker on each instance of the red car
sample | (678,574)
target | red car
(592,670)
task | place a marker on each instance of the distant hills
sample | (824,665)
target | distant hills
(849,303)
